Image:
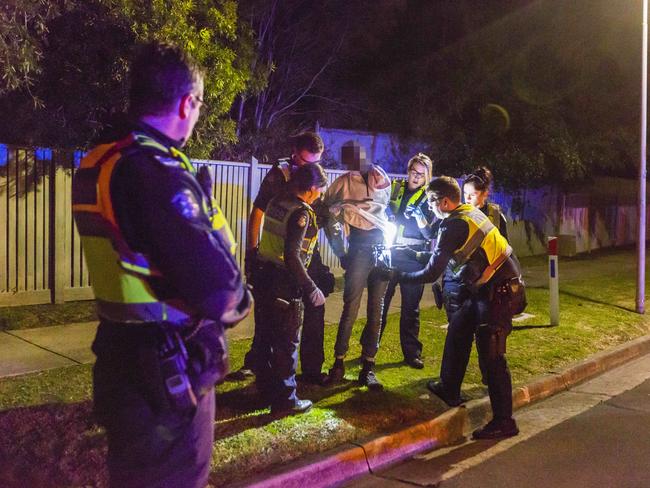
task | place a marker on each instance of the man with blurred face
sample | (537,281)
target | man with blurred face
(357,202)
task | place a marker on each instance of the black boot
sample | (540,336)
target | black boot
(336,373)
(367,376)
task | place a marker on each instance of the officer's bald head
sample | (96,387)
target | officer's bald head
(160,75)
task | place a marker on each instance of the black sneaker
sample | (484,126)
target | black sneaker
(438,389)
(415,362)
(368,378)
(301,406)
(497,429)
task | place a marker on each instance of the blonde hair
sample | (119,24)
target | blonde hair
(424,160)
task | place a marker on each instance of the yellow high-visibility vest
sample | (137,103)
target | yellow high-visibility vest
(120,276)
(483,234)
(274,232)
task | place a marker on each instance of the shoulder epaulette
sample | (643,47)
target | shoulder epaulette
(168,156)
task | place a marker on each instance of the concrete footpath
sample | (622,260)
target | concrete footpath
(40,349)
(355,459)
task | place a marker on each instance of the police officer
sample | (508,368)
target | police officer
(165,282)
(476,191)
(415,227)
(289,238)
(306,148)
(482,288)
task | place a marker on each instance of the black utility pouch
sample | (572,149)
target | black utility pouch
(517,295)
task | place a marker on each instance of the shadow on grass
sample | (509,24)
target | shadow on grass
(393,365)
(392,408)
(242,408)
(593,300)
(51,445)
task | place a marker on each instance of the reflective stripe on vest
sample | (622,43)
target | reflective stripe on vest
(220,224)
(484,235)
(118,273)
(397,194)
(494,214)
(274,233)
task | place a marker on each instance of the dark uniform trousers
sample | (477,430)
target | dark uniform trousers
(279,334)
(150,445)
(465,312)
(409,322)
(312,355)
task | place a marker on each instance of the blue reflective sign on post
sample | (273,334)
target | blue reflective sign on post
(4,155)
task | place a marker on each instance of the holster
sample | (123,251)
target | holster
(254,270)
(497,345)
(180,367)
(164,370)
(293,309)
(208,356)
(499,313)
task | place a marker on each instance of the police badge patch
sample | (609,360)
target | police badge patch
(186,204)
(302,221)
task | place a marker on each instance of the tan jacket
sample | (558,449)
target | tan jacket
(356,201)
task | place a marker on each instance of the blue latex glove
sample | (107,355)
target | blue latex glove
(416,212)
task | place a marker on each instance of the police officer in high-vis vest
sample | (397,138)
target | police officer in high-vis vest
(415,227)
(306,148)
(166,283)
(476,191)
(289,237)
(482,288)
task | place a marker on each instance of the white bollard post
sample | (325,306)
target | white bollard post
(553,281)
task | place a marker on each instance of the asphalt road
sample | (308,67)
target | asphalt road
(595,435)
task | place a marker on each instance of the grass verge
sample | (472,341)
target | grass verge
(49,435)
(45,315)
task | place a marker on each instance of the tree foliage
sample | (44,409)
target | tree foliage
(74,77)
